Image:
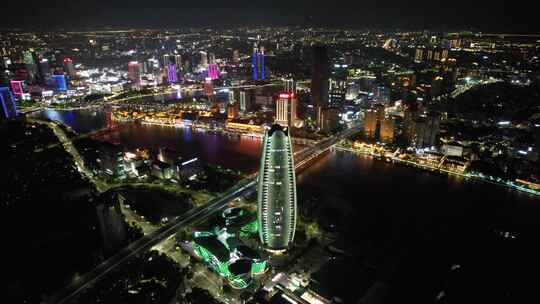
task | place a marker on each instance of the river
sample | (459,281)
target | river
(407,221)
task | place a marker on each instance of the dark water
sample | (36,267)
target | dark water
(411,225)
(82,121)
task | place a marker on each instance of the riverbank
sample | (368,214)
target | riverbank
(467,175)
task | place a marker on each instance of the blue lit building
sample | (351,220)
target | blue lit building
(276,202)
(8,105)
(257,64)
(60,82)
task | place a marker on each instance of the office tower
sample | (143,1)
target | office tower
(213,71)
(419,57)
(286,107)
(320,81)
(289,85)
(178,61)
(455,43)
(387,130)
(45,72)
(320,76)
(258,63)
(60,82)
(348,58)
(69,68)
(232,111)
(370,123)
(172,77)
(208,87)
(433,121)
(444,54)
(236,56)
(9,107)
(30,64)
(245,101)
(134,73)
(211,58)
(204,59)
(166,60)
(380,110)
(328,118)
(16,87)
(276,199)
(337,91)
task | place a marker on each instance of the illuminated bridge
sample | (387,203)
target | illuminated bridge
(243,188)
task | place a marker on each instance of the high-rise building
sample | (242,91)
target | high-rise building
(16,87)
(213,71)
(286,107)
(69,68)
(276,201)
(208,87)
(211,58)
(245,101)
(204,59)
(166,60)
(172,76)
(258,64)
(289,86)
(320,76)
(387,130)
(134,73)
(8,104)
(232,111)
(60,82)
(236,56)
(419,56)
(178,61)
(328,118)
(370,123)
(320,81)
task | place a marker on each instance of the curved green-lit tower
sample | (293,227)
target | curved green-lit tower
(276,213)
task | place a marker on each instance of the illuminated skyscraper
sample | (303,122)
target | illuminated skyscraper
(8,107)
(370,123)
(69,68)
(236,56)
(387,130)
(286,107)
(172,77)
(134,73)
(204,59)
(213,71)
(245,101)
(16,87)
(178,60)
(208,87)
(232,111)
(211,58)
(289,85)
(276,200)
(257,63)
(60,82)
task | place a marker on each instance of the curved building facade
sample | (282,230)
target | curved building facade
(276,213)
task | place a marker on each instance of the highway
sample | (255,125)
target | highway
(195,214)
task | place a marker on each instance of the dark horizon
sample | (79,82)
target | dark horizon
(386,14)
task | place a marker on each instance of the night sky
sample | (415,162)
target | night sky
(497,15)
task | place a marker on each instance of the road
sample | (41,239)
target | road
(195,214)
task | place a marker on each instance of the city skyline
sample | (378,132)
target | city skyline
(269,164)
